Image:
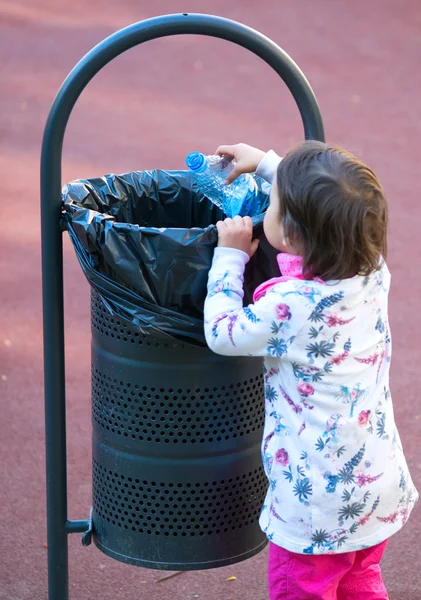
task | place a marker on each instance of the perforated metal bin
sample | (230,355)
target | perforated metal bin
(199,488)
(177,475)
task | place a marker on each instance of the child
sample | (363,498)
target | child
(339,485)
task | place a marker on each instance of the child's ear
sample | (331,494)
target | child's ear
(292,242)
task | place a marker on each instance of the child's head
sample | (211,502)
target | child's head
(329,207)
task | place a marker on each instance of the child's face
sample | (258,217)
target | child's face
(272,224)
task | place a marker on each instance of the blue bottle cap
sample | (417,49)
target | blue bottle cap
(196,161)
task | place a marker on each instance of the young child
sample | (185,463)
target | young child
(339,485)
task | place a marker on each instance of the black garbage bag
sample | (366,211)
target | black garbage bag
(145,241)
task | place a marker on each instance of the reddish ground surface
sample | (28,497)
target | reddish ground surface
(148,109)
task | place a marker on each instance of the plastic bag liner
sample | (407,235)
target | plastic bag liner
(145,241)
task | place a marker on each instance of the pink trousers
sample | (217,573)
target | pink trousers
(347,576)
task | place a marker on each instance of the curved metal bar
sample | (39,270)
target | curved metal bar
(52,263)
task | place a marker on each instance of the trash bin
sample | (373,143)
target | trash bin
(190,499)
(177,476)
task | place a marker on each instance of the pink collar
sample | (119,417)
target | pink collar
(291,267)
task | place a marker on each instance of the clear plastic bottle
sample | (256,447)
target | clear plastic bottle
(210,172)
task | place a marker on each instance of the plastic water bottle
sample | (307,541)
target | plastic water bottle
(210,172)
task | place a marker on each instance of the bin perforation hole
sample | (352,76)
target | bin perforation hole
(206,506)
(171,416)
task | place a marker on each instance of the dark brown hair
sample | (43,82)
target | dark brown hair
(332,205)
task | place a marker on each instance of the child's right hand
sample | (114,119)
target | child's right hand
(246,157)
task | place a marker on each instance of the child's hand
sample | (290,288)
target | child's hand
(247,159)
(237,233)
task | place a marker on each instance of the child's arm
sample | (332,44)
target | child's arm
(265,328)
(250,160)
(261,329)
(268,166)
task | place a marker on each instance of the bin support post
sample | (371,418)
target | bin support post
(52,246)
(55,413)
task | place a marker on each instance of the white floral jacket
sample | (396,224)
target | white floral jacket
(338,479)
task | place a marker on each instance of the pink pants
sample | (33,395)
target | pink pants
(347,576)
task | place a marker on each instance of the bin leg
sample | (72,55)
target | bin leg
(56,501)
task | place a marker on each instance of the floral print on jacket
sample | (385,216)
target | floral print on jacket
(338,479)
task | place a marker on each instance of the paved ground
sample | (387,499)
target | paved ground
(148,109)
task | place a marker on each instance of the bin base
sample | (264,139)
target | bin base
(172,566)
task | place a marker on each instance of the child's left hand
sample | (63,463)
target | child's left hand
(237,233)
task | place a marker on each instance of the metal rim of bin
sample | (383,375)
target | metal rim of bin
(58,525)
